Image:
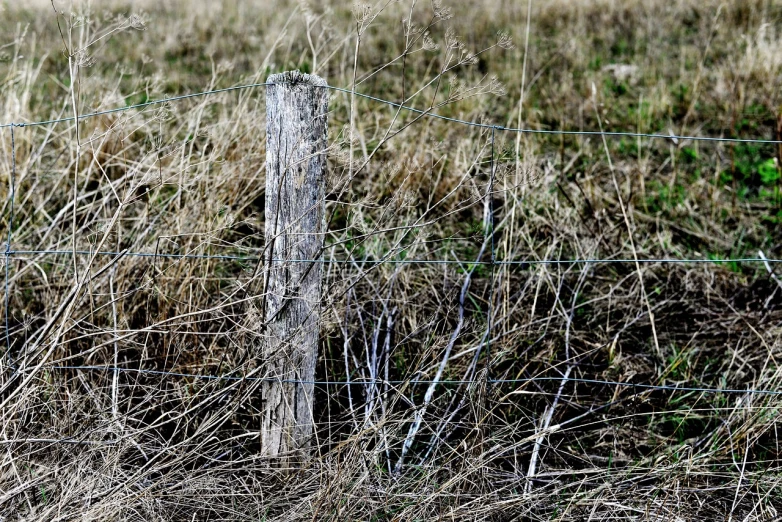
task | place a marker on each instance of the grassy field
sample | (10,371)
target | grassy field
(187,177)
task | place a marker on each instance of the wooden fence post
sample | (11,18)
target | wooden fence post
(296,121)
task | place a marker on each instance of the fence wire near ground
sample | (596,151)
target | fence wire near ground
(522,263)
(494,262)
(414,382)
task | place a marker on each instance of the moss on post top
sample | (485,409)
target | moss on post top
(296,77)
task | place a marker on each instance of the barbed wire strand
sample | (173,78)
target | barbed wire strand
(524,380)
(427,113)
(137,106)
(17,253)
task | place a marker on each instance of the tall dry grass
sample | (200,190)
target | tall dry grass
(188,178)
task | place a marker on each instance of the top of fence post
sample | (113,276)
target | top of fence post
(294,77)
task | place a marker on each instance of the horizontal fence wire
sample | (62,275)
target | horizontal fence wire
(427,113)
(365,382)
(9,253)
(153,255)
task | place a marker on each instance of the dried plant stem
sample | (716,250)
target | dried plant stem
(73,74)
(545,428)
(549,413)
(115,377)
(522,89)
(629,228)
(429,395)
(517,181)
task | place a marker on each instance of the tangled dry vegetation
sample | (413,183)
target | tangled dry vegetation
(188,178)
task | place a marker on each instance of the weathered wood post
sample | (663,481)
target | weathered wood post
(296,118)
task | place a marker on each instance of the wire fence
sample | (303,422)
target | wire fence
(493,263)
(426,113)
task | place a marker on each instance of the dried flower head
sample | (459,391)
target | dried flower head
(455,89)
(451,40)
(362,13)
(411,29)
(429,44)
(83,59)
(440,12)
(164,113)
(80,21)
(467,58)
(504,40)
(306,9)
(495,87)
(137,22)
(124,70)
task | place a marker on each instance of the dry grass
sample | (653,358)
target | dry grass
(188,177)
